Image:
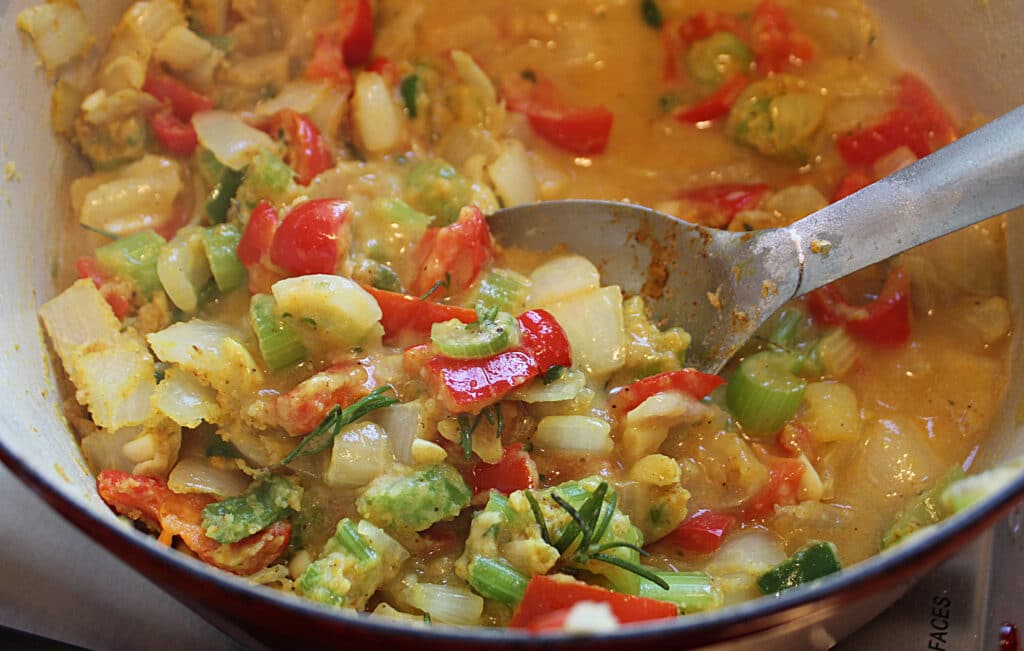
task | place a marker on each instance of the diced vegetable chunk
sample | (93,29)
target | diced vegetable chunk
(415,501)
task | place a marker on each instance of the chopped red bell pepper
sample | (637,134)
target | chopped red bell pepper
(311,238)
(328,62)
(150,499)
(775,41)
(254,247)
(781,489)
(724,200)
(356,29)
(87,267)
(854,181)
(451,258)
(885,320)
(301,409)
(580,130)
(717,104)
(176,137)
(545,595)
(469,385)
(184,101)
(689,381)
(384,67)
(510,474)
(918,122)
(703,532)
(307,151)
(405,314)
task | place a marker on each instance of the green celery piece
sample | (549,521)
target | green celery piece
(970,490)
(812,561)
(921,511)
(221,245)
(765,392)
(266,177)
(279,344)
(504,290)
(224,190)
(415,501)
(482,338)
(209,167)
(347,572)
(711,60)
(691,591)
(134,257)
(436,188)
(497,580)
(268,500)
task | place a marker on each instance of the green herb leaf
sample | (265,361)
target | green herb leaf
(323,436)
(101,231)
(553,374)
(446,283)
(466,428)
(651,13)
(538,516)
(409,88)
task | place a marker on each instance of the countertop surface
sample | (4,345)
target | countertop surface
(60,585)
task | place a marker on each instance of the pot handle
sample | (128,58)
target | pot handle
(974,178)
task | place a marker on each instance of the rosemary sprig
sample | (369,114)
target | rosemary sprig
(494,418)
(467,426)
(323,436)
(589,524)
(445,282)
(101,231)
(553,374)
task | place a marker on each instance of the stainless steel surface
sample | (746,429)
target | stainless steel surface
(724,285)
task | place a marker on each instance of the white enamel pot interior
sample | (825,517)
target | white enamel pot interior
(970,51)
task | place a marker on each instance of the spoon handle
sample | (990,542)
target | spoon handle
(976,177)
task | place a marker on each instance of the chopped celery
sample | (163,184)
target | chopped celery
(691,591)
(279,343)
(812,561)
(764,392)
(787,326)
(224,190)
(503,289)
(965,492)
(497,580)
(348,571)
(398,215)
(777,116)
(221,244)
(925,509)
(266,177)
(713,59)
(436,188)
(266,501)
(482,338)
(134,257)
(209,167)
(417,500)
(409,89)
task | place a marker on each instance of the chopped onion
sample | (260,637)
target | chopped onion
(154,18)
(594,323)
(375,117)
(648,424)
(116,382)
(300,96)
(389,549)
(448,604)
(123,73)
(78,317)
(142,450)
(183,50)
(561,278)
(751,554)
(361,452)
(198,475)
(210,351)
(345,314)
(59,32)
(574,433)
(64,105)
(137,196)
(185,400)
(184,269)
(512,175)
(796,202)
(103,108)
(473,75)
(403,423)
(232,141)
(565,387)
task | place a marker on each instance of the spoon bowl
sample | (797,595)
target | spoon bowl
(722,286)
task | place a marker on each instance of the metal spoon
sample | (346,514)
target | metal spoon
(721,286)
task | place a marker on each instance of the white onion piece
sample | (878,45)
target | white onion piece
(594,324)
(375,117)
(390,550)
(185,400)
(197,475)
(564,388)
(361,452)
(301,96)
(232,141)
(79,316)
(512,175)
(403,422)
(183,268)
(447,603)
(137,196)
(574,433)
(183,50)
(561,278)
(345,314)
(473,75)
(59,32)
(153,18)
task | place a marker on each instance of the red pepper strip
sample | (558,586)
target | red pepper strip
(886,320)
(183,100)
(918,122)
(717,104)
(510,474)
(854,181)
(723,201)
(356,19)
(687,380)
(451,258)
(784,477)
(545,595)
(673,47)
(469,385)
(150,499)
(775,41)
(580,130)
(311,238)
(403,314)
(87,267)
(703,532)
(177,137)
(307,152)
(300,410)
(328,62)
(254,247)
